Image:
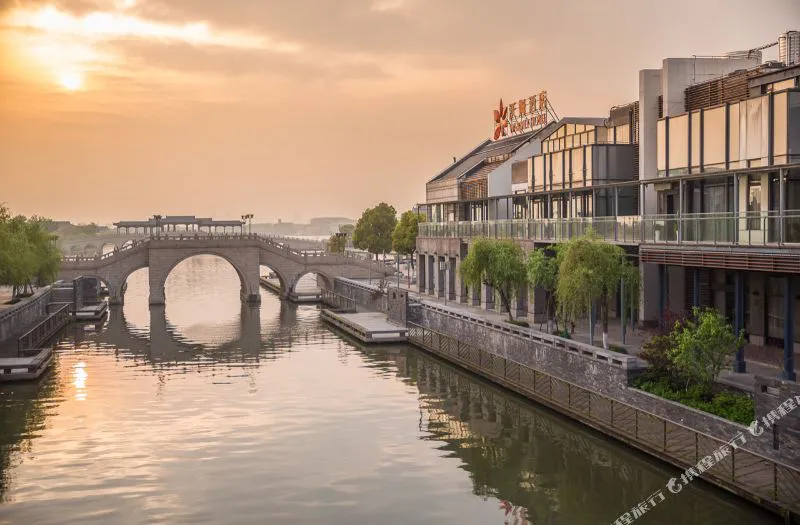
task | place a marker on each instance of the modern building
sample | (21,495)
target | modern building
(699,181)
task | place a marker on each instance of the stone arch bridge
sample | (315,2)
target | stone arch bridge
(246,253)
(91,245)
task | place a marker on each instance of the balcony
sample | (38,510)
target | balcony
(727,229)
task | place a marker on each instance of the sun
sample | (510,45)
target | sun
(71,81)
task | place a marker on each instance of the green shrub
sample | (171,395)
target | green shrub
(656,352)
(736,407)
(517,322)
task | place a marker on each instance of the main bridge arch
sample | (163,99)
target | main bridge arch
(245,261)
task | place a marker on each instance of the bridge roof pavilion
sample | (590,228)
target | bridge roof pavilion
(178,219)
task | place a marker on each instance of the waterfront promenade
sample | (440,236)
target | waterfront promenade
(634,339)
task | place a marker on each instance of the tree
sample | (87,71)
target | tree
(590,271)
(374,229)
(543,272)
(404,237)
(337,243)
(704,344)
(27,253)
(499,264)
(347,229)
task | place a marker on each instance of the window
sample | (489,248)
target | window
(695,148)
(714,139)
(588,163)
(755,130)
(577,167)
(538,172)
(679,145)
(733,144)
(558,170)
(754,202)
(623,134)
(661,148)
(780,128)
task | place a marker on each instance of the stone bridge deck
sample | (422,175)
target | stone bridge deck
(246,253)
(93,244)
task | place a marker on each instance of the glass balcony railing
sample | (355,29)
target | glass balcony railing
(749,229)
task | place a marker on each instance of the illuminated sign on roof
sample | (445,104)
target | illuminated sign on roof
(520,117)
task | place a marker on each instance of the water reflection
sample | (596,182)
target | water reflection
(263,415)
(543,468)
(80,375)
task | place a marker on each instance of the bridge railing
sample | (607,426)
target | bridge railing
(338,301)
(299,255)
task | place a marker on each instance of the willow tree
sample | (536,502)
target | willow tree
(590,271)
(542,268)
(27,252)
(499,264)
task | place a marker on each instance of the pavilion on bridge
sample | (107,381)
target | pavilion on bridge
(180,223)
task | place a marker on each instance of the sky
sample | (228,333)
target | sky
(293,109)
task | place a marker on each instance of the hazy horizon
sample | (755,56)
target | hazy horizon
(119,109)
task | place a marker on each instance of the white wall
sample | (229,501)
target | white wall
(499,182)
(680,73)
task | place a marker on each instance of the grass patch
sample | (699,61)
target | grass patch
(618,349)
(733,406)
(516,322)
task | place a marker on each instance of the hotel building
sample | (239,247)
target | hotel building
(698,180)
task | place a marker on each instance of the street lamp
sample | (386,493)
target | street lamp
(248,217)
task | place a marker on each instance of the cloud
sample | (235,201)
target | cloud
(48,45)
(107,25)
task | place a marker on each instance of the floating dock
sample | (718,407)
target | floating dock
(92,312)
(25,368)
(367,327)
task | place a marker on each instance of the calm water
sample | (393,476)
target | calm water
(207,412)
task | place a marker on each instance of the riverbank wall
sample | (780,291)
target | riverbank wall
(593,386)
(25,312)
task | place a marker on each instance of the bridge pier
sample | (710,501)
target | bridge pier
(251,298)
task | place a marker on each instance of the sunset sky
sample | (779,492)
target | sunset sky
(292,109)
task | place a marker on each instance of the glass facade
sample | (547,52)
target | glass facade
(760,131)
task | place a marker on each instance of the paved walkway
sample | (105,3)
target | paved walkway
(633,341)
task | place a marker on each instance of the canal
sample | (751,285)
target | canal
(205,411)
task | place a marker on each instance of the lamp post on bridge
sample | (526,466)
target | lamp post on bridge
(249,218)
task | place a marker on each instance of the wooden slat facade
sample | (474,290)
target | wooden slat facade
(729,260)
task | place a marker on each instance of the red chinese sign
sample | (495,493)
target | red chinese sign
(520,117)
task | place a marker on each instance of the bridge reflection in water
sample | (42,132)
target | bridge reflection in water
(210,411)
